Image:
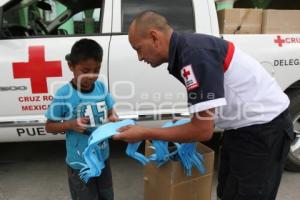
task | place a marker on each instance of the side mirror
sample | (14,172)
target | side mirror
(44,5)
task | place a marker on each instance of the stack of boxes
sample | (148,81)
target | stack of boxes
(258,21)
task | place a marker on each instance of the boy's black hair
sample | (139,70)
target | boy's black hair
(85,49)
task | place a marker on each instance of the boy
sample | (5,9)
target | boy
(77,109)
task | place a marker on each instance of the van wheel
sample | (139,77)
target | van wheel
(293,160)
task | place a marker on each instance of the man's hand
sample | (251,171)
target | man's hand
(131,134)
(199,129)
(78,125)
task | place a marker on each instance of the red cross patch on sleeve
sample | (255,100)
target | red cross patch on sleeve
(189,78)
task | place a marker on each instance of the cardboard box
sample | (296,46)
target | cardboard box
(249,21)
(281,21)
(169,182)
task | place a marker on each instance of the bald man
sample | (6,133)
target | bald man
(220,78)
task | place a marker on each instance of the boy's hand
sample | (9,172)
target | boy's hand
(175,119)
(79,125)
(113,118)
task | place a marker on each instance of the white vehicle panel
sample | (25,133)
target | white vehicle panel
(55,49)
(137,87)
(280,60)
(107,16)
(28,133)
(21,105)
(203,23)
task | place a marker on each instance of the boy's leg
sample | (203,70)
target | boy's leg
(80,190)
(256,157)
(105,183)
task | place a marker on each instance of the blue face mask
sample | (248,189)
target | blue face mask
(186,153)
(162,154)
(92,155)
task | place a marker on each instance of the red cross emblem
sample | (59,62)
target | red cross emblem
(37,69)
(279,41)
(186,73)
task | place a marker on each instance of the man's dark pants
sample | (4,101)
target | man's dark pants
(98,188)
(252,160)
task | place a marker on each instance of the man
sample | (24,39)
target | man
(225,87)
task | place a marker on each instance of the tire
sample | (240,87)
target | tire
(293,159)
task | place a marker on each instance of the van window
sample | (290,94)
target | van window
(179,13)
(31,18)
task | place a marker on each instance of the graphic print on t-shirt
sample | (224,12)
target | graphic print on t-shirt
(96,112)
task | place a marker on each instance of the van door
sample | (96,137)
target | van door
(141,92)
(36,37)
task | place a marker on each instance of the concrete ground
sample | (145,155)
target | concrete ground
(36,171)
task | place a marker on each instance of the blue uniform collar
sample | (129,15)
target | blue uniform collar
(172,51)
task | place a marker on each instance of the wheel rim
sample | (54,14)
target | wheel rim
(295,147)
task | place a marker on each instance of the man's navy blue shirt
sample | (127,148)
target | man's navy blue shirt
(197,61)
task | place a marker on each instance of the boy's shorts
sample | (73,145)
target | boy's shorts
(98,188)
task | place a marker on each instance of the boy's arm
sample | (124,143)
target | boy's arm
(78,125)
